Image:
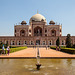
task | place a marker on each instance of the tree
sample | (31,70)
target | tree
(1,44)
(68,41)
(73,46)
(5,45)
(58,42)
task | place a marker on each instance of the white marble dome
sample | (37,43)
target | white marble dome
(37,17)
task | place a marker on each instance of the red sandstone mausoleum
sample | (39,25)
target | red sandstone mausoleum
(36,33)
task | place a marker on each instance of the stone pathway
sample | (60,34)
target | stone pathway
(54,53)
(30,52)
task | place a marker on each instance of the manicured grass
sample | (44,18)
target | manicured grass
(14,49)
(17,49)
(64,49)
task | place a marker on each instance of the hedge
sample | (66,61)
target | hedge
(53,47)
(14,49)
(68,50)
(17,49)
(64,49)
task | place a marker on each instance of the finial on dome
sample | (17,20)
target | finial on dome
(37,12)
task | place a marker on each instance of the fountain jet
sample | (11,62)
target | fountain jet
(38,59)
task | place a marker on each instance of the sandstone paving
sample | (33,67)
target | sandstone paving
(54,53)
(32,52)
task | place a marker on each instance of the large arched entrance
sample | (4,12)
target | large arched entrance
(22,33)
(37,31)
(37,42)
(53,32)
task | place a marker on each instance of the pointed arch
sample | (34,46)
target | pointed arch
(53,32)
(22,33)
(37,31)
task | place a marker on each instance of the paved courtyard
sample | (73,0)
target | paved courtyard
(32,52)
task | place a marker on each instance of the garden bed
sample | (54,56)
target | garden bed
(14,49)
(64,49)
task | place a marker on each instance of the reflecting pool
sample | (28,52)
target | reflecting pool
(28,67)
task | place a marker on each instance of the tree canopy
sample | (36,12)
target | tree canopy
(58,42)
(68,41)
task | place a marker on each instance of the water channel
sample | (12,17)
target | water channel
(28,67)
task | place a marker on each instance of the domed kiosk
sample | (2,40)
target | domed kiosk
(23,23)
(51,22)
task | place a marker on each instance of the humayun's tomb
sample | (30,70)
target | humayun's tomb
(36,33)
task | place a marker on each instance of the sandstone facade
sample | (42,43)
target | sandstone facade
(36,33)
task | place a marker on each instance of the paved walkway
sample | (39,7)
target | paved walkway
(30,52)
(54,53)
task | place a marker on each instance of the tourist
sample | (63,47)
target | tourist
(33,46)
(8,50)
(59,48)
(56,48)
(46,47)
(3,50)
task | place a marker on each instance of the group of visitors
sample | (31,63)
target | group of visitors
(4,51)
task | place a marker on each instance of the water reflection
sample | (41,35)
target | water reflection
(28,67)
(69,62)
(56,61)
(2,60)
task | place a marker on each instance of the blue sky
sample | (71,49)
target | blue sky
(14,11)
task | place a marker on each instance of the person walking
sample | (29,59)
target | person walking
(3,50)
(33,46)
(59,48)
(56,48)
(46,47)
(8,50)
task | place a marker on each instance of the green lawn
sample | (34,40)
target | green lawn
(14,49)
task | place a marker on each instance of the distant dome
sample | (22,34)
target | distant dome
(37,17)
(51,22)
(23,22)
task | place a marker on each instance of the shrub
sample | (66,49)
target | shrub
(64,49)
(68,50)
(53,47)
(73,46)
(17,49)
